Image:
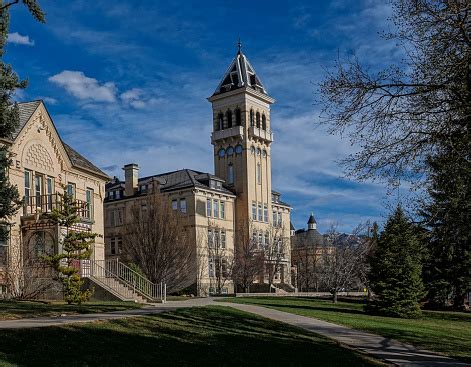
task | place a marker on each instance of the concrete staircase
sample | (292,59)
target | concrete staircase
(122,282)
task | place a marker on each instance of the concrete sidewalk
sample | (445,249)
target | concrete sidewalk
(391,351)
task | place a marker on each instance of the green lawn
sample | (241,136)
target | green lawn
(17,310)
(447,333)
(209,336)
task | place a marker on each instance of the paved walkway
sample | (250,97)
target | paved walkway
(392,351)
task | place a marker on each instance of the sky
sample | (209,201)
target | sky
(127,82)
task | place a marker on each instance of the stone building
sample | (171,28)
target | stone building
(42,162)
(237,198)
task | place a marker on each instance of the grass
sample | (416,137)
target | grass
(209,336)
(447,333)
(17,310)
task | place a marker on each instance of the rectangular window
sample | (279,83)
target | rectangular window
(223,239)
(117,218)
(210,238)
(275,218)
(267,239)
(89,200)
(208,207)
(27,186)
(265,213)
(212,184)
(254,210)
(71,190)
(119,245)
(280,221)
(174,204)
(183,205)
(254,238)
(217,239)
(49,192)
(260,239)
(223,210)
(260,214)
(38,189)
(113,246)
(216,208)
(211,267)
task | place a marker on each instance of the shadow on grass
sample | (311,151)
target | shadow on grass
(207,336)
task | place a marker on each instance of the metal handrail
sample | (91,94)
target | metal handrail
(132,280)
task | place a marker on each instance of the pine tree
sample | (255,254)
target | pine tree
(448,216)
(396,269)
(9,117)
(76,246)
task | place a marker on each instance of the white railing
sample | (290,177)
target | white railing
(124,280)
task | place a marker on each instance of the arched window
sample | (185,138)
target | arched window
(238,117)
(264,122)
(229,118)
(258,120)
(220,121)
(230,174)
(252,118)
(264,153)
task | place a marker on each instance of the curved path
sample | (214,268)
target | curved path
(389,350)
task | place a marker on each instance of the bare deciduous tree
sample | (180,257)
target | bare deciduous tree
(403,115)
(156,239)
(275,249)
(343,260)
(248,261)
(220,258)
(307,257)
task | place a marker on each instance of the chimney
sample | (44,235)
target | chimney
(131,176)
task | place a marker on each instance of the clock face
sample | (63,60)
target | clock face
(221,152)
(230,151)
(238,149)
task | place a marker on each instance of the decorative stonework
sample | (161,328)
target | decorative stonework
(37,156)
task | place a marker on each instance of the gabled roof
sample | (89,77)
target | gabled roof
(26,110)
(240,74)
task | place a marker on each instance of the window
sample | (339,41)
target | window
(208,207)
(238,117)
(260,239)
(259,152)
(230,174)
(275,218)
(211,271)
(252,118)
(265,213)
(113,246)
(260,217)
(264,122)
(71,190)
(216,208)
(116,217)
(220,125)
(38,189)
(217,239)
(267,239)
(210,238)
(27,186)
(264,153)
(258,120)
(120,244)
(183,205)
(117,194)
(223,239)
(223,210)
(259,173)
(280,221)
(254,211)
(229,118)
(218,185)
(89,200)
(254,237)
(239,149)
(174,204)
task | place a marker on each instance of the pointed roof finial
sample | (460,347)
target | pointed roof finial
(239,46)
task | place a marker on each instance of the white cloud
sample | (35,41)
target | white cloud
(132,97)
(49,100)
(83,87)
(18,39)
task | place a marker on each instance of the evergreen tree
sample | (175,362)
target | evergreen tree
(448,216)
(76,246)
(396,269)
(9,116)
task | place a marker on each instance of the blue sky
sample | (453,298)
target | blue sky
(127,82)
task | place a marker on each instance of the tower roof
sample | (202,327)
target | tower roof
(239,74)
(311,220)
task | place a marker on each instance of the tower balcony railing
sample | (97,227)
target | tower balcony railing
(257,132)
(235,131)
(42,204)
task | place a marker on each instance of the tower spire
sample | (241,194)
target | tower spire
(239,46)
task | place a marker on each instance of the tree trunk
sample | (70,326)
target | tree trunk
(335,296)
